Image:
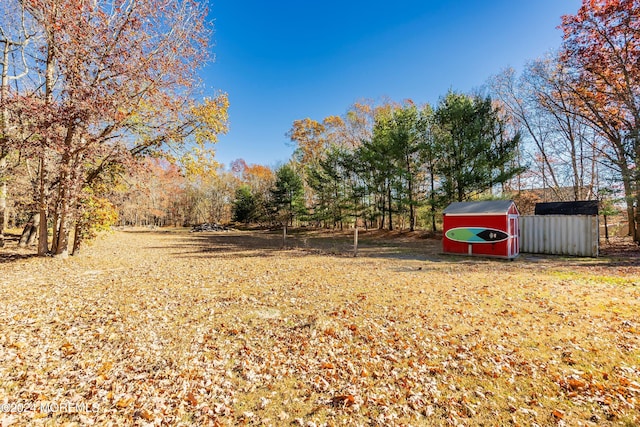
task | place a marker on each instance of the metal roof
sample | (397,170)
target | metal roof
(483,207)
(582,207)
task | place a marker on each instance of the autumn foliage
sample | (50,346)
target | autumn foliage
(602,49)
(118,81)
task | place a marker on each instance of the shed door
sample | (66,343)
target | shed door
(514,236)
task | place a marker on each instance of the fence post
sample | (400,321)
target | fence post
(284,236)
(355,242)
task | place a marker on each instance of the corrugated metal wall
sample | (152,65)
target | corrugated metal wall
(559,234)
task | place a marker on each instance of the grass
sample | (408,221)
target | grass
(588,278)
(173,328)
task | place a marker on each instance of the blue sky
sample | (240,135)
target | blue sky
(283,60)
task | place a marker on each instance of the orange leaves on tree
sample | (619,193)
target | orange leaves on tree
(308,135)
(602,49)
(210,118)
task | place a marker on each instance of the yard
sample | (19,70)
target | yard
(167,327)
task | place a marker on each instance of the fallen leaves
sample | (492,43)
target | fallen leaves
(576,384)
(68,349)
(344,400)
(163,334)
(124,402)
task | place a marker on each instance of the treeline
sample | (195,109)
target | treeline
(344,171)
(161,194)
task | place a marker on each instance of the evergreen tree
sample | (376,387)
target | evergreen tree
(406,149)
(288,194)
(475,154)
(327,179)
(244,206)
(378,170)
(393,159)
(429,159)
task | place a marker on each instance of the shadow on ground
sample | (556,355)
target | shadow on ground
(11,257)
(11,252)
(401,245)
(372,244)
(304,242)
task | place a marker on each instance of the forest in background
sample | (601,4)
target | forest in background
(104,122)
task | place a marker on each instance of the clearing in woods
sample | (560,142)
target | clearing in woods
(177,328)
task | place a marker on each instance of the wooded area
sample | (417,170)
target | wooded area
(104,122)
(89,90)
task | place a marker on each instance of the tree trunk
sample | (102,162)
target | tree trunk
(627,183)
(66,194)
(62,242)
(636,223)
(432,196)
(383,209)
(636,228)
(412,208)
(33,235)
(26,231)
(389,200)
(77,239)
(4,217)
(54,229)
(60,245)
(578,183)
(4,125)
(631,219)
(43,244)
(460,190)
(30,231)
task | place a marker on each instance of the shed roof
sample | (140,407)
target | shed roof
(582,207)
(485,207)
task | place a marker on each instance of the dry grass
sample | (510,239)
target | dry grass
(172,328)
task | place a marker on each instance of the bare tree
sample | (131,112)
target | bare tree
(575,145)
(564,146)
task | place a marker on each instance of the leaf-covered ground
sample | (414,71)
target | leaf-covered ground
(172,328)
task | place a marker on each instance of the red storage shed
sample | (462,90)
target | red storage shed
(486,228)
